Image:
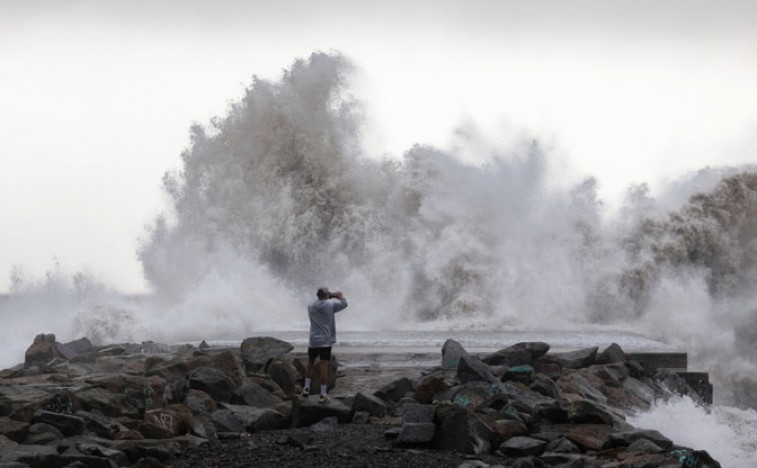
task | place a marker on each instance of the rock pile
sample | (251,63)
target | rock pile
(140,405)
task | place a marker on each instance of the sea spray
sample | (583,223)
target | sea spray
(279,196)
(728,434)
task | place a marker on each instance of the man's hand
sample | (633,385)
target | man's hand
(339,295)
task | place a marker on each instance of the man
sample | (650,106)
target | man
(322,336)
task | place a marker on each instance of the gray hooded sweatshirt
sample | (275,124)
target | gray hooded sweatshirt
(322,323)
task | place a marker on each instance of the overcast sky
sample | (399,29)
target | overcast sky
(97,96)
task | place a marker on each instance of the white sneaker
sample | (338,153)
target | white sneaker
(306,392)
(324,399)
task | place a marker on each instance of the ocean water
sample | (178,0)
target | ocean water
(281,195)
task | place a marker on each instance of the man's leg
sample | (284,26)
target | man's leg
(312,352)
(324,376)
(325,357)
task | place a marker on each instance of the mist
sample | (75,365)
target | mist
(281,194)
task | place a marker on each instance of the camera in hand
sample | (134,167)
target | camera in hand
(333,295)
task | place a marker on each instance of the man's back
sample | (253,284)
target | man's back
(322,323)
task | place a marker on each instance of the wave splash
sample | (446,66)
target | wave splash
(279,196)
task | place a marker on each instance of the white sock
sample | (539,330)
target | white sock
(307,383)
(323,390)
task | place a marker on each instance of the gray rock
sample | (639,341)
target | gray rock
(285,374)
(419,413)
(69,425)
(463,431)
(562,445)
(452,351)
(588,412)
(311,411)
(226,421)
(523,374)
(96,450)
(395,390)
(576,359)
(471,368)
(416,433)
(326,424)
(622,439)
(545,386)
(13,430)
(517,354)
(644,446)
(109,403)
(428,386)
(574,382)
(258,350)
(43,350)
(252,394)
(257,419)
(360,417)
(370,404)
(98,424)
(613,353)
(519,446)
(213,382)
(639,390)
(26,454)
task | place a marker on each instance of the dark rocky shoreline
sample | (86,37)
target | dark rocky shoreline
(153,405)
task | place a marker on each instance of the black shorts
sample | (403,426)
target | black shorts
(324,354)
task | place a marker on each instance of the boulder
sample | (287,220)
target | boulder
(562,445)
(13,430)
(428,386)
(42,428)
(624,439)
(229,363)
(416,433)
(576,359)
(257,419)
(200,402)
(471,368)
(109,403)
(176,420)
(545,386)
(574,382)
(96,450)
(517,354)
(591,436)
(393,391)
(507,428)
(285,374)
(43,350)
(213,382)
(475,395)
(452,351)
(520,446)
(644,446)
(311,411)
(252,394)
(419,413)
(588,412)
(523,374)
(463,431)
(327,424)
(258,350)
(612,354)
(98,424)
(370,404)
(69,425)
(225,420)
